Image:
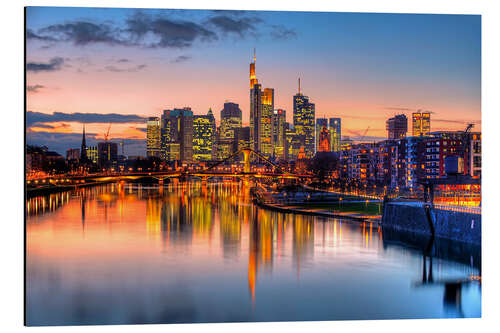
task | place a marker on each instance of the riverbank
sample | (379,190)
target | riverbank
(265,199)
(50,189)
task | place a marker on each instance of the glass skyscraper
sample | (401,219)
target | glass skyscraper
(153,137)
(335,129)
(204,137)
(303,122)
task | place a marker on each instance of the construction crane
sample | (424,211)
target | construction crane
(364,133)
(106,136)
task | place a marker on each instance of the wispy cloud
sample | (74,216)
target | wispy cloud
(112,68)
(181,58)
(54,64)
(34,88)
(36,118)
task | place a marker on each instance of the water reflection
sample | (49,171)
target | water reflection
(202,252)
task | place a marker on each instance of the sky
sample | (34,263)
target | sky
(102,66)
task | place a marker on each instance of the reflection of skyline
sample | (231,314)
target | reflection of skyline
(205,221)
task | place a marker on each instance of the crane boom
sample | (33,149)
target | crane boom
(106,136)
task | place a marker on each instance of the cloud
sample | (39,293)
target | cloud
(166,33)
(280,32)
(181,58)
(31,35)
(54,64)
(83,33)
(123,60)
(115,69)
(398,109)
(238,26)
(34,88)
(35,118)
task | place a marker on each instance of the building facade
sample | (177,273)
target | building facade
(421,123)
(397,127)
(303,122)
(153,137)
(204,137)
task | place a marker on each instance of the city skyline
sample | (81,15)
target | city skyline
(85,70)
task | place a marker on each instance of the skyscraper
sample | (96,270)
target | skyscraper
(230,119)
(397,127)
(177,135)
(267,122)
(324,140)
(153,137)
(279,133)
(421,122)
(204,137)
(303,122)
(320,123)
(335,127)
(255,109)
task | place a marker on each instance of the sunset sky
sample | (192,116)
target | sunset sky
(99,66)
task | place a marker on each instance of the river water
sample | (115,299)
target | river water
(197,252)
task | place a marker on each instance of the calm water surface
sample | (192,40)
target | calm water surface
(193,252)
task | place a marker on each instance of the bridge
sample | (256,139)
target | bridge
(209,172)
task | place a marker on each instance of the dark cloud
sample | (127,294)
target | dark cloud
(34,88)
(115,69)
(36,118)
(123,60)
(181,58)
(280,32)
(238,26)
(31,35)
(165,32)
(84,33)
(54,64)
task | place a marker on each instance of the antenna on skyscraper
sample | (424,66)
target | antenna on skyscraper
(254,57)
(299,85)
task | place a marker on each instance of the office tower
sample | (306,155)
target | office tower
(324,139)
(320,123)
(279,133)
(153,137)
(241,138)
(397,127)
(267,122)
(92,154)
(421,123)
(303,122)
(253,79)
(335,129)
(177,135)
(255,117)
(107,154)
(293,142)
(204,137)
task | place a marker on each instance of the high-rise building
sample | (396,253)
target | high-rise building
(303,122)
(107,154)
(92,154)
(397,127)
(255,117)
(253,79)
(267,122)
(320,123)
(230,119)
(153,137)
(335,129)
(242,138)
(279,134)
(324,140)
(421,123)
(177,135)
(204,137)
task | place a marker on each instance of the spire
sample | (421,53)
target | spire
(299,85)
(254,57)
(83,150)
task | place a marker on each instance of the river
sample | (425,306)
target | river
(196,252)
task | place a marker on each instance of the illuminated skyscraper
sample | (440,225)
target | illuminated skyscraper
(266,146)
(320,123)
(279,133)
(397,127)
(303,122)
(230,117)
(204,137)
(324,139)
(153,137)
(335,129)
(421,123)
(177,135)
(253,79)
(255,116)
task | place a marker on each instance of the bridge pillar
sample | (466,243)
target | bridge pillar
(246,155)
